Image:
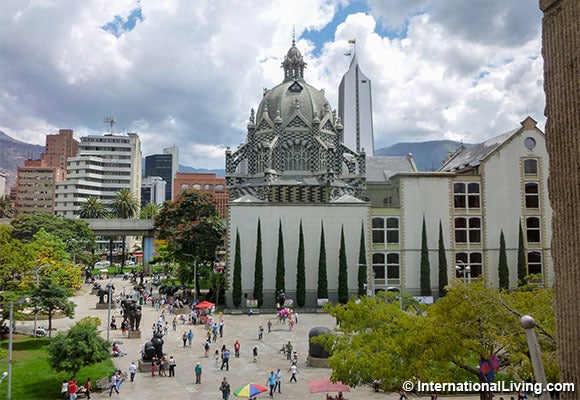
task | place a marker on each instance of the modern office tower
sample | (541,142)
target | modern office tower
(35,187)
(204,183)
(355,109)
(59,148)
(153,190)
(104,165)
(2,184)
(174,151)
(161,165)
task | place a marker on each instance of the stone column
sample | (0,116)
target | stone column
(561,52)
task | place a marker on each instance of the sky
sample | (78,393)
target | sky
(188,72)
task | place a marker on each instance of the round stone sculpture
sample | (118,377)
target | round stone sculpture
(316,350)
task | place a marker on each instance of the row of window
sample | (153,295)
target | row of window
(387,266)
(197,186)
(467,230)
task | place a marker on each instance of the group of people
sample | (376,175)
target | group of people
(162,365)
(70,389)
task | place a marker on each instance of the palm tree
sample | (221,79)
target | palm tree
(124,206)
(6,207)
(93,208)
(150,211)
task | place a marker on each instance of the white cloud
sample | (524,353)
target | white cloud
(189,74)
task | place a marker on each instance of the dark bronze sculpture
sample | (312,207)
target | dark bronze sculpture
(104,291)
(153,348)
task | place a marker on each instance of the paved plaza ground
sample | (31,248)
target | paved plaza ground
(242,370)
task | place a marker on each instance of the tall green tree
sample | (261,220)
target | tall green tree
(301,271)
(50,298)
(6,207)
(280,267)
(342,270)
(322,276)
(503,271)
(259,268)
(66,354)
(237,278)
(192,227)
(443,279)
(425,278)
(14,259)
(124,206)
(93,208)
(218,285)
(362,263)
(522,264)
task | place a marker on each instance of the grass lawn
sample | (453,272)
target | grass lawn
(32,377)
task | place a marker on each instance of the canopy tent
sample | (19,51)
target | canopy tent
(204,304)
(325,385)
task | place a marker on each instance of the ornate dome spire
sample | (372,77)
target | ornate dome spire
(293,64)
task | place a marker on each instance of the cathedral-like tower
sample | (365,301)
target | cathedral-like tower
(294,150)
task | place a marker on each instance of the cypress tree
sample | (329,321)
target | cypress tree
(522,265)
(443,280)
(237,284)
(280,269)
(301,271)
(259,269)
(342,271)
(425,265)
(362,263)
(322,278)
(503,271)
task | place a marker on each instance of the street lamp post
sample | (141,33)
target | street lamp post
(20,301)
(35,309)
(109,309)
(529,324)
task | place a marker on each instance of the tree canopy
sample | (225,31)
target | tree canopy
(50,298)
(80,346)
(444,342)
(192,227)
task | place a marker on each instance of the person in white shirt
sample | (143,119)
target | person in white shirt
(132,371)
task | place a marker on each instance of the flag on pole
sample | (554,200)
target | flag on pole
(352,41)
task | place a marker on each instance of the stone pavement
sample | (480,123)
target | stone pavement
(242,370)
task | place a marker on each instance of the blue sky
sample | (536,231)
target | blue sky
(189,72)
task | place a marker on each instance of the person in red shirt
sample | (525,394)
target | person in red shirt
(72,389)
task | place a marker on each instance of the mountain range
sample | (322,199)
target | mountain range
(428,156)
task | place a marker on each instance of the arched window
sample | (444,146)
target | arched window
(297,158)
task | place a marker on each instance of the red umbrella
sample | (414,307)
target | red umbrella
(325,385)
(204,304)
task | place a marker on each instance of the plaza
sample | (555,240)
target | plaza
(241,327)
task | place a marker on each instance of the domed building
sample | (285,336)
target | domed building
(294,174)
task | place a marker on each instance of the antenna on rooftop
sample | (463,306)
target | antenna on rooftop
(111,121)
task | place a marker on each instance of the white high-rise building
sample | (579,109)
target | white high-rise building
(104,165)
(355,109)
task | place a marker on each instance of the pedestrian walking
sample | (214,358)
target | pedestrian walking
(269,326)
(278,376)
(72,389)
(190,337)
(225,389)
(237,349)
(198,374)
(216,357)
(64,390)
(260,332)
(132,371)
(226,360)
(293,371)
(113,384)
(206,348)
(289,351)
(119,379)
(153,361)
(184,338)
(88,388)
(272,383)
(172,364)
(221,328)
(174,324)
(255,353)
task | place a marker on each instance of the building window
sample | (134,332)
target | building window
(534,262)
(533,229)
(297,159)
(196,186)
(184,187)
(385,228)
(387,201)
(468,230)
(471,260)
(466,195)
(208,186)
(532,195)
(260,162)
(386,268)
(531,166)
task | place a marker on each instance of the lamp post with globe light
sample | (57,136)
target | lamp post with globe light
(19,302)
(464,270)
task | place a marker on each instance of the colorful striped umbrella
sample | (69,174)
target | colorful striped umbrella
(249,390)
